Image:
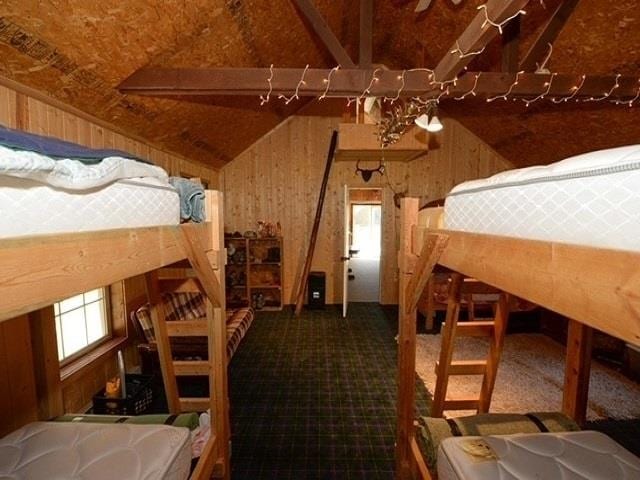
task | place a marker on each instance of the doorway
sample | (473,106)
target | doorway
(365,226)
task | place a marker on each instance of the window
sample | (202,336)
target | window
(81,322)
(366,220)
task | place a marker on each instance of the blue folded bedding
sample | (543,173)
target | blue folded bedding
(191,199)
(56,148)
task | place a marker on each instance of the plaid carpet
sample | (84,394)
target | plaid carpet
(314,397)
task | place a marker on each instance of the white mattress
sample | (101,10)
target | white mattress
(591,199)
(50,450)
(568,455)
(31,208)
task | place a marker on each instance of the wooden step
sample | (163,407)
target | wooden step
(191,367)
(471,286)
(194,404)
(183,285)
(187,328)
(475,329)
(465,367)
(176,273)
(461,404)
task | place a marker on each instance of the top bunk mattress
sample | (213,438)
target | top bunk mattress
(50,186)
(31,208)
(591,199)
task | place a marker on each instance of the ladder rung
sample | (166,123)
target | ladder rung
(465,367)
(475,329)
(186,285)
(461,404)
(470,285)
(176,273)
(187,328)
(194,404)
(191,367)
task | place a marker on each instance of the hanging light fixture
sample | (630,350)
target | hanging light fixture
(434,124)
(429,121)
(423,121)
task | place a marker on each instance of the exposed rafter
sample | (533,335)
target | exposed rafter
(366,34)
(510,46)
(548,35)
(353,82)
(323,30)
(476,37)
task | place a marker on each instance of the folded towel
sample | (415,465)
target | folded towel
(191,199)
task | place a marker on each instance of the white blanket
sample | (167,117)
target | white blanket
(73,174)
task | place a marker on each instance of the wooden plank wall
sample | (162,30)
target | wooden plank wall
(18,399)
(36,114)
(278,179)
(461,156)
(19,384)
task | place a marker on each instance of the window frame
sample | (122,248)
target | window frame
(75,356)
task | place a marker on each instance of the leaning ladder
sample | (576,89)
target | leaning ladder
(493,328)
(203,274)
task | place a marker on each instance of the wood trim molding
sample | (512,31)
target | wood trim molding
(70,372)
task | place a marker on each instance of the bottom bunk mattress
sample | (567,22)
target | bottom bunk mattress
(591,199)
(576,455)
(96,451)
(32,208)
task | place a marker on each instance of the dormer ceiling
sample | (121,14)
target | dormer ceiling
(80,51)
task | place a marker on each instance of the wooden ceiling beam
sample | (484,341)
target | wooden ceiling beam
(476,37)
(353,82)
(365,57)
(323,30)
(511,45)
(548,35)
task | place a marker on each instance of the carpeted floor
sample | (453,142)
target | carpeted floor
(531,362)
(314,397)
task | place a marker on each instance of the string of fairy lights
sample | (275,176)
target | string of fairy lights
(401,117)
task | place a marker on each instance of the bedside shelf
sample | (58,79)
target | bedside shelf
(263,278)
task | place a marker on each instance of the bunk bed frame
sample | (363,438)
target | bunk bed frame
(40,270)
(595,288)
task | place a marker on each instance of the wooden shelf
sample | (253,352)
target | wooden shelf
(253,248)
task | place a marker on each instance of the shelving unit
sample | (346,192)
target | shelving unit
(254,272)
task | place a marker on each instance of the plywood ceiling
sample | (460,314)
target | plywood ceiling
(79,50)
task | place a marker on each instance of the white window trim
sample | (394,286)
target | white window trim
(106,297)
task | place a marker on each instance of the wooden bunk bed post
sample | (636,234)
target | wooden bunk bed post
(208,261)
(577,371)
(218,337)
(406,342)
(414,274)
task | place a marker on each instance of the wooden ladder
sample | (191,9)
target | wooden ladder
(164,331)
(494,328)
(203,274)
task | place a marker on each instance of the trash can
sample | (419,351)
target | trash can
(316,286)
